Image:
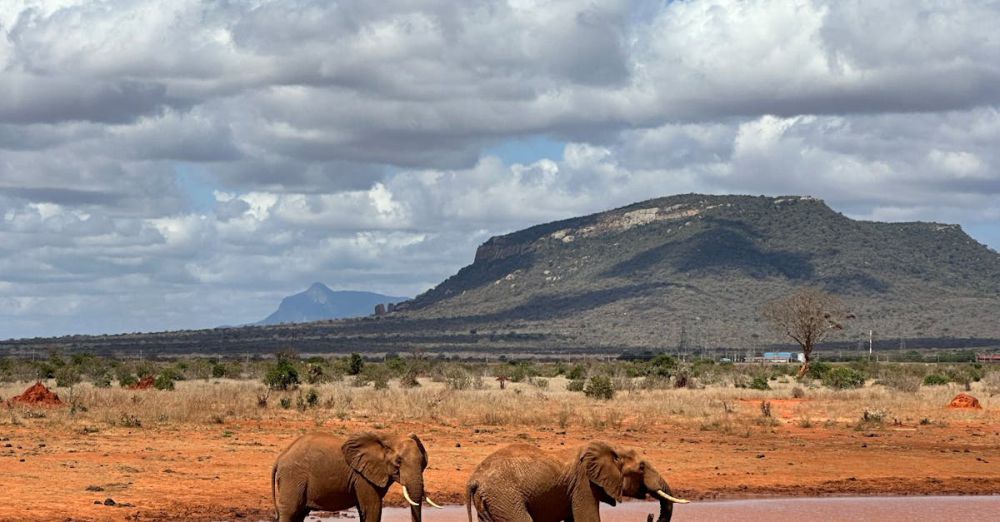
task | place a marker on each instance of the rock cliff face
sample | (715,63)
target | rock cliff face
(702,263)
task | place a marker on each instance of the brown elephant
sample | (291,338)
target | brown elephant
(320,471)
(521,483)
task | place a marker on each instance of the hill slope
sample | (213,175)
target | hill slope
(687,271)
(696,268)
(318,303)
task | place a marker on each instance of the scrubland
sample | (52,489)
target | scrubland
(203,449)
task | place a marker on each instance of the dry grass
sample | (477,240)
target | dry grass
(716,407)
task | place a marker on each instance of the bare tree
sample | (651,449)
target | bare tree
(807,316)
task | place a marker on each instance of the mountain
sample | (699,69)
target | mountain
(688,271)
(695,269)
(319,302)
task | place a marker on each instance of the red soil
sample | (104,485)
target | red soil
(37,395)
(144,384)
(964,400)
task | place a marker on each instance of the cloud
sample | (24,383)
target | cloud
(188,163)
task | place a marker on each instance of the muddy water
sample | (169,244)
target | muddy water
(846,509)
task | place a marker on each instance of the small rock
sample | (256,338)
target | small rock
(458,444)
(109,502)
(95,488)
(760,455)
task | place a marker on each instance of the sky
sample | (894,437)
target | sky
(186,164)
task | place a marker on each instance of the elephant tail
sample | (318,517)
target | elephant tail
(274,485)
(469,493)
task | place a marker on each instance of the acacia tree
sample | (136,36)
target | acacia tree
(807,316)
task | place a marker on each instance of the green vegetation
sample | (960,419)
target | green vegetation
(599,387)
(843,378)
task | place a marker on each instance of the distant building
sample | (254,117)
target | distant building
(988,357)
(783,357)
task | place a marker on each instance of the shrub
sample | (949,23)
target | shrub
(576,385)
(286,402)
(599,387)
(798,393)
(935,380)
(218,371)
(102,380)
(312,398)
(759,383)
(843,378)
(662,365)
(901,381)
(578,372)
(127,379)
(457,379)
(282,375)
(818,369)
(67,376)
(355,364)
(164,381)
(409,379)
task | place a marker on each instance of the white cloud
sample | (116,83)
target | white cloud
(187,163)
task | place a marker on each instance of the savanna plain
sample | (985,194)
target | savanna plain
(195,439)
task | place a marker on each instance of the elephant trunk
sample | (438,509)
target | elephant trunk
(666,511)
(666,505)
(414,489)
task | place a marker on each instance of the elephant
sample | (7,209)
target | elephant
(324,472)
(521,483)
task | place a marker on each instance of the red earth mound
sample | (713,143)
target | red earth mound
(37,395)
(144,384)
(964,400)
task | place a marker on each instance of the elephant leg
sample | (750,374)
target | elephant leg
(290,500)
(369,504)
(502,510)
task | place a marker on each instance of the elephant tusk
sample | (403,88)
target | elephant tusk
(672,499)
(431,502)
(406,494)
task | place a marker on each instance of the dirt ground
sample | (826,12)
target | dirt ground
(221,472)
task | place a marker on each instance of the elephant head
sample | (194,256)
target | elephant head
(382,460)
(641,479)
(601,466)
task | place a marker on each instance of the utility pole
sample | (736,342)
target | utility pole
(870,343)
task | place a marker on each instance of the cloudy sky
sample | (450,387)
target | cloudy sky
(186,163)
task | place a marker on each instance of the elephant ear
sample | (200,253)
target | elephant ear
(420,446)
(367,453)
(604,468)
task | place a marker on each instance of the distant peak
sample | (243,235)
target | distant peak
(318,287)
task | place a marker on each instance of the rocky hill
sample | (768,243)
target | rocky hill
(318,302)
(695,269)
(686,272)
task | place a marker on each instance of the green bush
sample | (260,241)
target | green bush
(281,375)
(102,380)
(935,380)
(576,385)
(355,364)
(599,387)
(843,378)
(577,373)
(67,376)
(818,369)
(662,365)
(286,402)
(164,381)
(218,371)
(759,383)
(312,398)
